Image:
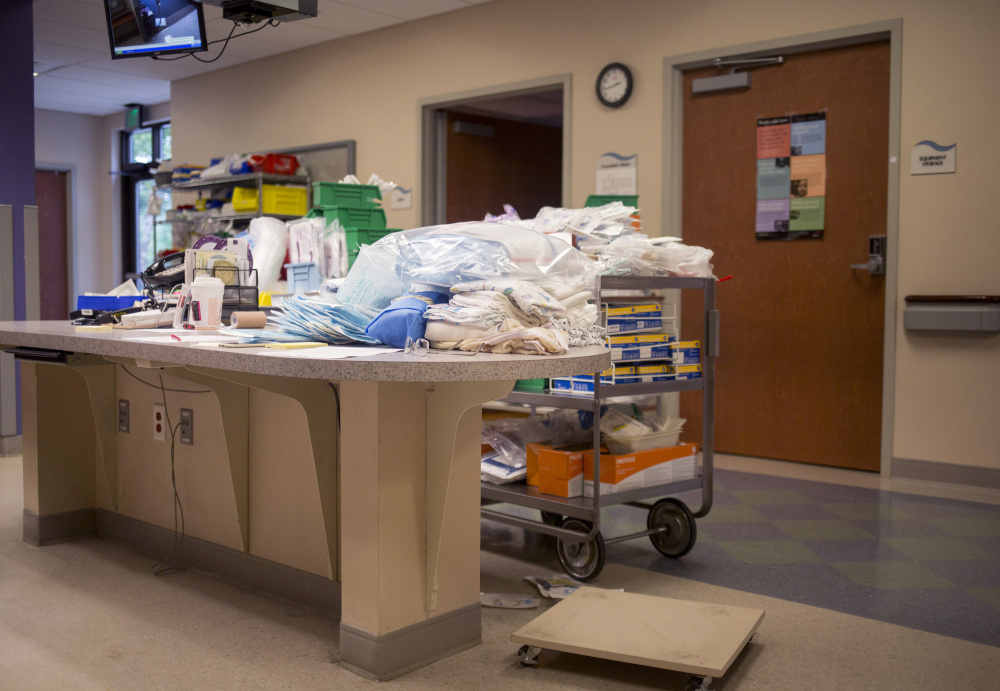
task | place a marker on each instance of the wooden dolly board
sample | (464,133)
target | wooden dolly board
(679,635)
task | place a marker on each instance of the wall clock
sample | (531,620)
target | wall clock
(614,85)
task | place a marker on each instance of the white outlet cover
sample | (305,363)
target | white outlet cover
(159,418)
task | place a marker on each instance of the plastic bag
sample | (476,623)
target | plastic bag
(641,257)
(599,223)
(306,243)
(507,445)
(269,238)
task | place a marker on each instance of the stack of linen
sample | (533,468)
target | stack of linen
(510,316)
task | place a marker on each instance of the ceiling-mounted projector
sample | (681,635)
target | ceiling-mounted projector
(253,11)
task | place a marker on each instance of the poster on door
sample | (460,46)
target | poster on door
(791,177)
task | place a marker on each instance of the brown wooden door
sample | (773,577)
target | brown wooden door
(53,269)
(501,162)
(800,372)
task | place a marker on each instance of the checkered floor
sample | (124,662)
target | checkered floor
(926,563)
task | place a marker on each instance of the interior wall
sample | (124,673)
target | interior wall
(366,88)
(74,142)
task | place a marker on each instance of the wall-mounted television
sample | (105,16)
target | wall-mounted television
(138,28)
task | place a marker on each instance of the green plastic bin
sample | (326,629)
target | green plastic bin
(533,385)
(343,194)
(365,236)
(602,199)
(351,217)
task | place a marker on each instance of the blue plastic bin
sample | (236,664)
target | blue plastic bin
(302,277)
(106,303)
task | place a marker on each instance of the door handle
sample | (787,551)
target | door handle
(872,266)
(876,256)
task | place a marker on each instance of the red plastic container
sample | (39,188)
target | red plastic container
(280,164)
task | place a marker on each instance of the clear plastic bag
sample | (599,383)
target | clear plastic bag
(641,257)
(269,238)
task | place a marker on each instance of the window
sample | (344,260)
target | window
(145,237)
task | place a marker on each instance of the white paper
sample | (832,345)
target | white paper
(328,352)
(617,174)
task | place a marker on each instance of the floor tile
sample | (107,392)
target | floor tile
(982,573)
(938,549)
(869,549)
(893,575)
(990,596)
(822,530)
(868,510)
(733,513)
(901,528)
(758,497)
(729,532)
(796,512)
(769,552)
(968,527)
(929,507)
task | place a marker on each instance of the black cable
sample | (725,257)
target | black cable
(160,568)
(142,381)
(225,40)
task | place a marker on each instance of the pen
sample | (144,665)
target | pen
(175,337)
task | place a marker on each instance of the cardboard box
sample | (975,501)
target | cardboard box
(624,472)
(557,471)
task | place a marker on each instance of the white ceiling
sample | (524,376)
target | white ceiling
(76,73)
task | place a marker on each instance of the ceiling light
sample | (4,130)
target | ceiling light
(35,74)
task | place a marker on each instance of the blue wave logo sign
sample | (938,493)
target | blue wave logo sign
(930,158)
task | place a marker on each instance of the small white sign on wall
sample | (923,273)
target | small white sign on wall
(617,174)
(929,158)
(400,198)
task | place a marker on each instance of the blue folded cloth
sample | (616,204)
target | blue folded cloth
(403,318)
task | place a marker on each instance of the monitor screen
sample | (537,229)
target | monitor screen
(154,27)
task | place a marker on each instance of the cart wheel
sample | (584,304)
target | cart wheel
(582,560)
(681,532)
(550,518)
(528,655)
(696,683)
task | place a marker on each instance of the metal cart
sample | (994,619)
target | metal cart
(576,523)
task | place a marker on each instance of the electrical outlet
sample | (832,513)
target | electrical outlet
(187,426)
(159,422)
(123,421)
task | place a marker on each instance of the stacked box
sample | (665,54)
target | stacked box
(623,472)
(685,352)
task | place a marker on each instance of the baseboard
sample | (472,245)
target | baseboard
(300,588)
(58,527)
(10,446)
(385,657)
(932,471)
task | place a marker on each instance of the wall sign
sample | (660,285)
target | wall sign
(400,198)
(617,174)
(791,177)
(930,158)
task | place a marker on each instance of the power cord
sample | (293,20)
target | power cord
(160,386)
(336,395)
(225,41)
(161,567)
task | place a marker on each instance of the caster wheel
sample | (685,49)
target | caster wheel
(696,683)
(528,655)
(581,560)
(681,532)
(549,518)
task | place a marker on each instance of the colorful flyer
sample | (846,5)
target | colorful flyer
(808,176)
(773,137)
(806,215)
(808,135)
(773,178)
(772,217)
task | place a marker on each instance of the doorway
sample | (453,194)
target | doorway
(504,145)
(52,195)
(805,372)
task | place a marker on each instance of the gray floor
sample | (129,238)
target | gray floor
(90,615)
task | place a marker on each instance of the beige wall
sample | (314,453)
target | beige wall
(367,88)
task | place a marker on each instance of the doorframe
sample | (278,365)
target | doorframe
(432,153)
(673,162)
(71,229)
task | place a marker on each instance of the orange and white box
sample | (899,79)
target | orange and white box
(556,471)
(624,472)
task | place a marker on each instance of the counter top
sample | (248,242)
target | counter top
(61,335)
